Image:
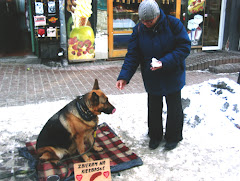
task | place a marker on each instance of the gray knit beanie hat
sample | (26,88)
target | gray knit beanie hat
(148,9)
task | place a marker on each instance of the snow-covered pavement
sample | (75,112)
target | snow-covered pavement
(209,151)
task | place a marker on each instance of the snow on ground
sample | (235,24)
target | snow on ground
(209,151)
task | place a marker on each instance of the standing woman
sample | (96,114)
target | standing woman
(160,45)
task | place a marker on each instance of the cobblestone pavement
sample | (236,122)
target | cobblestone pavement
(22,84)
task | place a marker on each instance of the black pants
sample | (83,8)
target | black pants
(174,124)
(238,81)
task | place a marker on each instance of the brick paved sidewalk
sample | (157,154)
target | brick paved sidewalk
(22,84)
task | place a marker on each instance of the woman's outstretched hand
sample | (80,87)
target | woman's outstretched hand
(121,84)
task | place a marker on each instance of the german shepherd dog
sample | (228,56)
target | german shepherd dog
(67,131)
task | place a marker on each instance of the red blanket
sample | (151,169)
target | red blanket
(121,156)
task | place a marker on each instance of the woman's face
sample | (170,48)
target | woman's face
(150,23)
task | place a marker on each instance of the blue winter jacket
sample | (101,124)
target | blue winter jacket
(169,45)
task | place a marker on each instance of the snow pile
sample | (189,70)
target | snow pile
(209,150)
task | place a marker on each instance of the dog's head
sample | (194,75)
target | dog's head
(97,101)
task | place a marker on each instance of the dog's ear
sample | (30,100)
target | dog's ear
(94,99)
(96,87)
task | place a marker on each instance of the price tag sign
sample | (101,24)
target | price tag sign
(98,170)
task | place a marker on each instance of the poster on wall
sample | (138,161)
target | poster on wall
(80,33)
(195,21)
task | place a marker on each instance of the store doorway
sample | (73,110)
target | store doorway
(15,39)
(214,24)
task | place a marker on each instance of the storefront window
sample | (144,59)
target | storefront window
(168,6)
(192,16)
(202,20)
(102,4)
(184,13)
(125,17)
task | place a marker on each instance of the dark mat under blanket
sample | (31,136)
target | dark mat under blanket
(120,155)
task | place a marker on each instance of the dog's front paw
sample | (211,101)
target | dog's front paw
(89,159)
(97,148)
